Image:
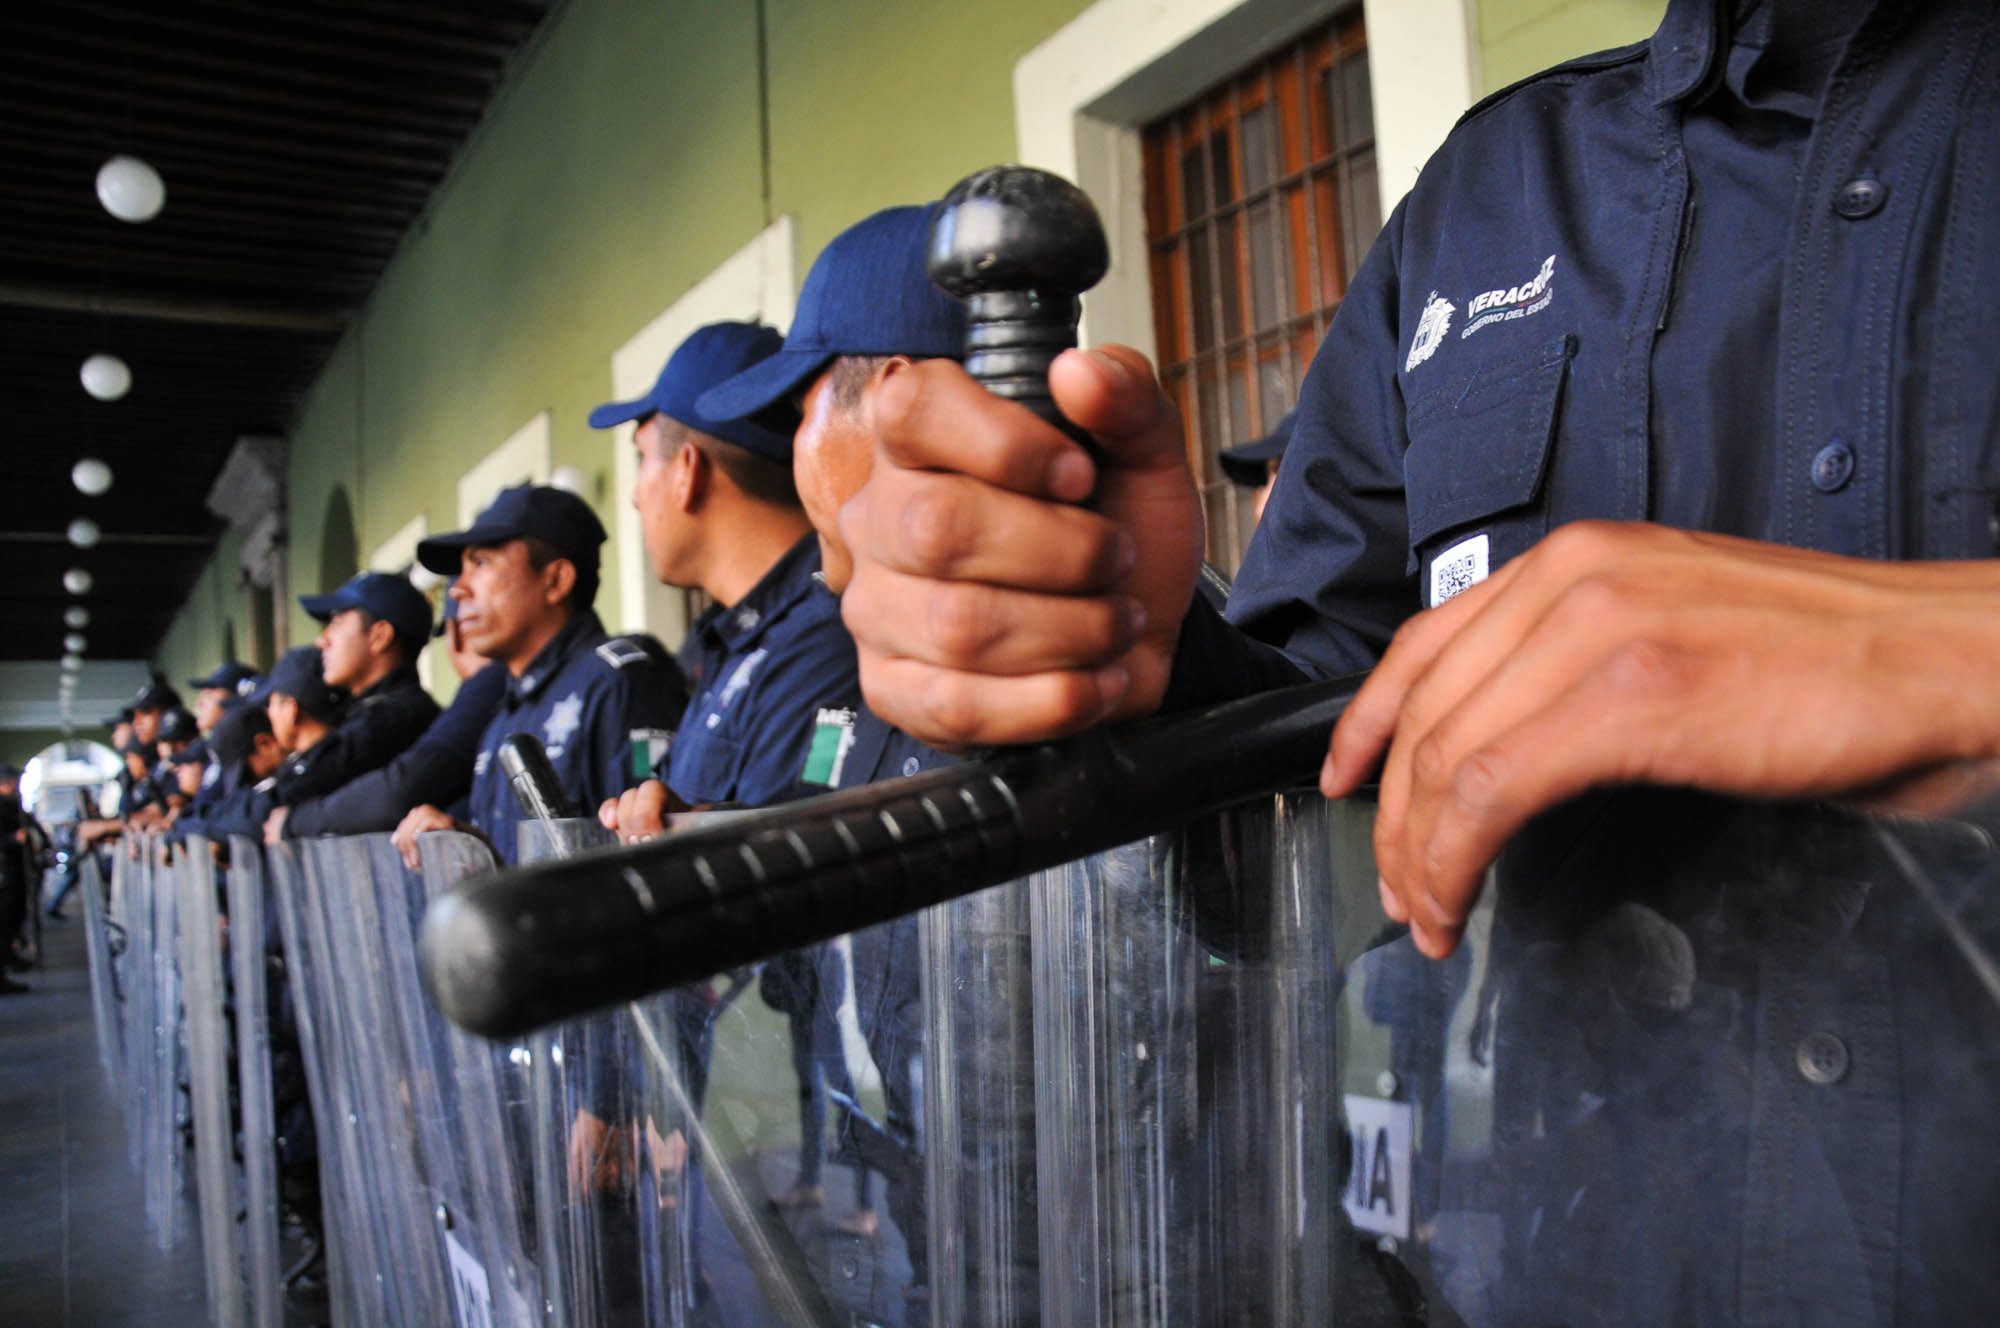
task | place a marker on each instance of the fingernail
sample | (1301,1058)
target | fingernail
(1135,614)
(1391,904)
(1128,552)
(1071,476)
(1111,685)
(1112,365)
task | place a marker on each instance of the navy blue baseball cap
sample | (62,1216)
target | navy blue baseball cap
(526,511)
(177,725)
(300,675)
(230,676)
(711,355)
(1245,465)
(155,695)
(867,294)
(236,733)
(391,598)
(195,753)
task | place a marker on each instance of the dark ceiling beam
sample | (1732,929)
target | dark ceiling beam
(170,311)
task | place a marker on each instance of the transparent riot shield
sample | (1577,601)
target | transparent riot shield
(356,1289)
(105,1002)
(250,929)
(163,1102)
(486,1213)
(753,1148)
(206,1019)
(1696,1061)
(357,922)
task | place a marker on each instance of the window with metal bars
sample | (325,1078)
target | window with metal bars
(1260,201)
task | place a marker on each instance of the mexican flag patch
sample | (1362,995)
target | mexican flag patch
(649,751)
(832,739)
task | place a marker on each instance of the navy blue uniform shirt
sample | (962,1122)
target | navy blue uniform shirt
(374,728)
(602,708)
(437,769)
(1641,285)
(1666,283)
(767,665)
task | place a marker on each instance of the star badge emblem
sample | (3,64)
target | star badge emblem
(563,720)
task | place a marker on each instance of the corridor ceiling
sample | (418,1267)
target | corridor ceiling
(298,144)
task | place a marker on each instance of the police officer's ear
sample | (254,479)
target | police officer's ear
(693,472)
(886,366)
(380,636)
(558,578)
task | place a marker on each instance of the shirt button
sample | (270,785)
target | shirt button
(1833,467)
(911,765)
(1822,1059)
(1861,197)
(714,720)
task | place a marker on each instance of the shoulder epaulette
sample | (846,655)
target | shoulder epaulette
(622,652)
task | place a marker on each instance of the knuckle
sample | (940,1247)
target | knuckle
(951,707)
(933,527)
(1644,668)
(1478,785)
(962,622)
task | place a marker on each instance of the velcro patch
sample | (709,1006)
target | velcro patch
(621,651)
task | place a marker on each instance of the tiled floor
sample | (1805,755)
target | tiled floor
(74,1245)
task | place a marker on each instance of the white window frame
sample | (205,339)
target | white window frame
(1082,97)
(755,282)
(522,459)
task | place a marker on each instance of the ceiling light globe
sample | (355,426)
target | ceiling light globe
(130,189)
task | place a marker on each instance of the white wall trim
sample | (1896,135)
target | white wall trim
(754,282)
(522,459)
(1081,97)
(398,553)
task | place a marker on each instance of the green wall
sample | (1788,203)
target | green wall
(624,160)
(20,746)
(215,617)
(1519,37)
(635,145)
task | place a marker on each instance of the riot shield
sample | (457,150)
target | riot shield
(205,996)
(162,1103)
(355,1253)
(753,1148)
(357,891)
(104,998)
(249,924)
(486,1212)
(1695,1061)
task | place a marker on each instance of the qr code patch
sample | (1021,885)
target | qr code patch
(1458,569)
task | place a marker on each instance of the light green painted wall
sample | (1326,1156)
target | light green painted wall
(215,614)
(1519,37)
(623,160)
(622,163)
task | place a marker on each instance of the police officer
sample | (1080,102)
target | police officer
(376,625)
(153,700)
(305,715)
(16,881)
(602,706)
(1254,465)
(437,769)
(868,312)
(249,755)
(720,512)
(231,680)
(1511,390)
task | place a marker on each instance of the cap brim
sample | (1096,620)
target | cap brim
(1245,465)
(763,385)
(440,553)
(613,413)
(321,608)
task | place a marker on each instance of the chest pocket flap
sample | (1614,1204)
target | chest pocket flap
(1479,447)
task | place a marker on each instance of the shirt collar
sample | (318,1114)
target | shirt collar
(1683,50)
(549,660)
(789,580)
(404,675)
